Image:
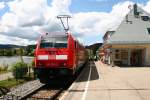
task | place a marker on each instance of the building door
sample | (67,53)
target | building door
(136,57)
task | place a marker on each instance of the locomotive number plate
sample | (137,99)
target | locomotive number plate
(52,57)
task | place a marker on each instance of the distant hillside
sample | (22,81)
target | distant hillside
(33,46)
(9,46)
(94,47)
(10,50)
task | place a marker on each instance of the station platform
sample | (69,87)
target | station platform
(98,81)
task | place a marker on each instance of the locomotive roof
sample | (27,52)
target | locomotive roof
(59,34)
(54,35)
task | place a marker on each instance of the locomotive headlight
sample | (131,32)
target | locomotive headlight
(42,57)
(61,57)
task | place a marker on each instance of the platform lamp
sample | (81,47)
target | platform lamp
(64,21)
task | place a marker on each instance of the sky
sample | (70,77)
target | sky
(23,21)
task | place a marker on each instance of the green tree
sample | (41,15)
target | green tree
(1,52)
(8,52)
(13,51)
(21,54)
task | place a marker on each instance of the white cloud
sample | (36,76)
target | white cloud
(2,5)
(30,12)
(147,7)
(8,40)
(27,19)
(93,23)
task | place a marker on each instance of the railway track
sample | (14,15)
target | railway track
(54,90)
(34,90)
(51,91)
(21,91)
(45,94)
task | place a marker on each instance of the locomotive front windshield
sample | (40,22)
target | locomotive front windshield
(54,42)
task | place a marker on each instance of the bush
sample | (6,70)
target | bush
(3,69)
(19,70)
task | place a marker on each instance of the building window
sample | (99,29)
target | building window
(117,54)
(124,54)
(148,29)
(145,18)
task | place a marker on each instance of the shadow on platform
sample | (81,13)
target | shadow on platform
(86,71)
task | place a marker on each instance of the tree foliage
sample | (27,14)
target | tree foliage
(19,70)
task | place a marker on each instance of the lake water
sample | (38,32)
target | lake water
(11,60)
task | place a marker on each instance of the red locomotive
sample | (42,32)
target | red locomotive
(58,55)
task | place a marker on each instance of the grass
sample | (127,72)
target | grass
(11,82)
(3,72)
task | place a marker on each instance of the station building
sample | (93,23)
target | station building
(129,44)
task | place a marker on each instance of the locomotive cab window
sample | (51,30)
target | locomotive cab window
(54,42)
